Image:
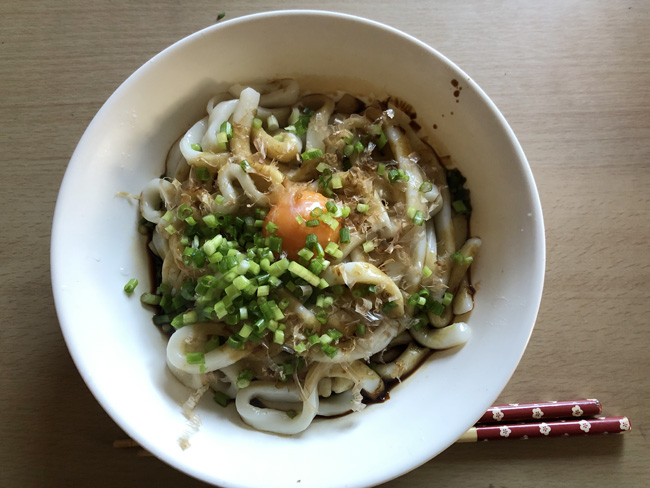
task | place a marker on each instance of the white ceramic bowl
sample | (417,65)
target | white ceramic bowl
(96,249)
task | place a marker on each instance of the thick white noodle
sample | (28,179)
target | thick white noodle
(317,129)
(365,273)
(404,364)
(176,166)
(221,113)
(233,172)
(270,419)
(193,136)
(375,340)
(463,301)
(453,335)
(284,147)
(458,271)
(216,359)
(279,93)
(157,193)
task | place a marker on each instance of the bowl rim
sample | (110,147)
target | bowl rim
(59,217)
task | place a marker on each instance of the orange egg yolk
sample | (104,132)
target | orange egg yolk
(294,234)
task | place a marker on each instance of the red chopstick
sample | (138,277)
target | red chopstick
(541,411)
(592,426)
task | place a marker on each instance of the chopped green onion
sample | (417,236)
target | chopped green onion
(306,253)
(426,187)
(333,250)
(312,154)
(302,272)
(196,147)
(241,282)
(222,141)
(311,241)
(363,207)
(130,286)
(418,218)
(202,173)
(195,358)
(459,206)
(244,378)
(426,272)
(226,128)
(334,334)
(331,351)
(235,343)
(278,336)
(275,244)
(220,397)
(381,142)
(458,258)
(437,308)
(148,298)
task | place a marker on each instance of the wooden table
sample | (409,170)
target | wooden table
(573,80)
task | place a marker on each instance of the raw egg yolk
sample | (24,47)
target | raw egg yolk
(283,214)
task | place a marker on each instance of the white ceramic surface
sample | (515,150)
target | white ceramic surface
(96,249)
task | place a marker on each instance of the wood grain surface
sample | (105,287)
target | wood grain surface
(573,80)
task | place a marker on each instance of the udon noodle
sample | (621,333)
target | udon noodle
(312,248)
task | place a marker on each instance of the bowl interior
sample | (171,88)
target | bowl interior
(96,250)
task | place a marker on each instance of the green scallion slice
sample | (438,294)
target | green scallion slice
(226,128)
(195,358)
(203,174)
(426,187)
(130,285)
(220,397)
(312,154)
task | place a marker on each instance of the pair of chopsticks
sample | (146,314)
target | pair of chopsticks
(528,420)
